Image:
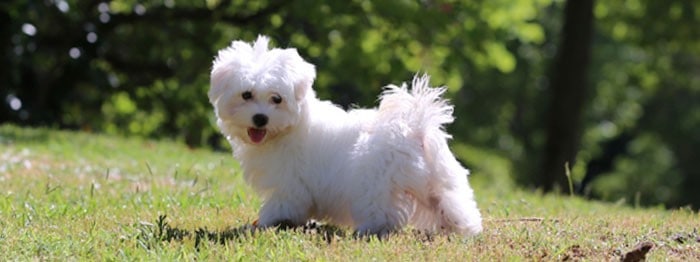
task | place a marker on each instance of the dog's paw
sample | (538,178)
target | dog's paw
(380,232)
(281,224)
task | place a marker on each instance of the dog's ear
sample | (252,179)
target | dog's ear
(303,85)
(304,75)
(230,59)
(218,83)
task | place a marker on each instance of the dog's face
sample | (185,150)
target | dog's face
(258,94)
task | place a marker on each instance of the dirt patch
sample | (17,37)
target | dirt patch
(574,253)
(639,252)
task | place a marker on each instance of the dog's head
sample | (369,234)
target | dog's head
(258,92)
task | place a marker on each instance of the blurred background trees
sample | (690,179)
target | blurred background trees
(626,116)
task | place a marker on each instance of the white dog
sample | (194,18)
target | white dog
(376,170)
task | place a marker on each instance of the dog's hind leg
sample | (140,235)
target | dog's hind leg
(380,212)
(455,205)
(457,212)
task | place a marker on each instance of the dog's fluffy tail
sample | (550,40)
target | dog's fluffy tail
(445,199)
(422,108)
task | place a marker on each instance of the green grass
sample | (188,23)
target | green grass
(77,196)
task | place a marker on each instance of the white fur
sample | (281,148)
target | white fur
(376,170)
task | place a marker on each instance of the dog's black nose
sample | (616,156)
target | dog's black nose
(259,120)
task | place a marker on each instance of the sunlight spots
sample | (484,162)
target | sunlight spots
(104,18)
(139,9)
(608,129)
(74,53)
(104,9)
(29,29)
(14,102)
(113,80)
(91,37)
(62,6)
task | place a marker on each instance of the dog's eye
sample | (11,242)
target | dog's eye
(247,95)
(276,99)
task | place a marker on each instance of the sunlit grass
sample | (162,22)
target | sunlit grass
(90,197)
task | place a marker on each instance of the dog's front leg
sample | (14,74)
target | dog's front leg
(283,211)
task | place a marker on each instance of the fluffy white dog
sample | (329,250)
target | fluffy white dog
(376,170)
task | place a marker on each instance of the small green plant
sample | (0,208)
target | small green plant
(567,171)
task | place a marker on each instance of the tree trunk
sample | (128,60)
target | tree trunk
(568,94)
(5,33)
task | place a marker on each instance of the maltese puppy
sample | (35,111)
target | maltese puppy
(376,170)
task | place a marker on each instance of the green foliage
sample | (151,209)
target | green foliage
(631,180)
(141,68)
(644,82)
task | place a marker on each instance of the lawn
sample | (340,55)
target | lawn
(79,196)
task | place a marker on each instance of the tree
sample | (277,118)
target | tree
(569,89)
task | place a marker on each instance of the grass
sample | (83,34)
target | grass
(77,196)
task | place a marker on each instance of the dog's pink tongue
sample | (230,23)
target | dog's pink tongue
(256,135)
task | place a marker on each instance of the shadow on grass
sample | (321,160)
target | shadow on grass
(150,235)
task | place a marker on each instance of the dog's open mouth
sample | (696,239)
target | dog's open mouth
(256,134)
